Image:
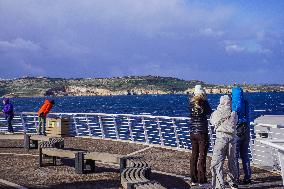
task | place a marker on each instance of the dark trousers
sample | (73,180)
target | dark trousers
(242,152)
(9,123)
(200,144)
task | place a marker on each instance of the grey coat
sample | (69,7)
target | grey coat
(223,119)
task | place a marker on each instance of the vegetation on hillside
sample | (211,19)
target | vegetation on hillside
(43,86)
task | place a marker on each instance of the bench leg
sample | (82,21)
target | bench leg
(27,141)
(61,145)
(148,173)
(40,158)
(79,163)
(54,160)
(90,165)
(35,142)
(122,163)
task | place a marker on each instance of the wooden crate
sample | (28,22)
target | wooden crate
(57,127)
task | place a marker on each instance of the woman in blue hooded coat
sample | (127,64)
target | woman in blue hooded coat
(240,105)
(8,110)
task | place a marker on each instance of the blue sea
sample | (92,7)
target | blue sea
(164,105)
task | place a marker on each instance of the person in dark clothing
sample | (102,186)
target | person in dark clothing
(199,112)
(241,106)
(8,110)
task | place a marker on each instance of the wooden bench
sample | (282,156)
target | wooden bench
(134,171)
(31,141)
(84,161)
(55,153)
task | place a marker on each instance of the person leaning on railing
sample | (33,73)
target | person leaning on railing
(199,111)
(240,105)
(8,110)
(224,122)
(42,113)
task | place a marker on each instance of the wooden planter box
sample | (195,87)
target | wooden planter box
(57,127)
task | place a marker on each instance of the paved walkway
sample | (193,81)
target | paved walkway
(11,136)
(168,165)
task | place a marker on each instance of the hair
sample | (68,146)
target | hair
(196,101)
(225,100)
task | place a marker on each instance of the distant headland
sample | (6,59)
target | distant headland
(128,85)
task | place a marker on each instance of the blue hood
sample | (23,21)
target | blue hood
(239,105)
(237,99)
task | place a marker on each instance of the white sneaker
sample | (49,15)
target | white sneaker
(234,186)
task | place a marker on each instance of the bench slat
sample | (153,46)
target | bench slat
(104,157)
(149,185)
(40,137)
(55,152)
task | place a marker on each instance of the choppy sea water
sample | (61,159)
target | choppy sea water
(165,105)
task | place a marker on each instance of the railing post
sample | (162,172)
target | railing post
(101,126)
(281,161)
(145,130)
(75,123)
(115,127)
(23,123)
(176,133)
(89,129)
(211,135)
(160,131)
(251,143)
(130,128)
(36,123)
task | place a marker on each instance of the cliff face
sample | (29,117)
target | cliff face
(41,86)
(87,91)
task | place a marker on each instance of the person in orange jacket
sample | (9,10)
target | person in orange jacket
(42,113)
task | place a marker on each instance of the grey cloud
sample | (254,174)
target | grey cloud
(18,44)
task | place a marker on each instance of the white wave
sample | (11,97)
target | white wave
(144,113)
(259,110)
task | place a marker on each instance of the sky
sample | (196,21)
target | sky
(217,41)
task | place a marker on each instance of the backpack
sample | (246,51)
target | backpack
(243,125)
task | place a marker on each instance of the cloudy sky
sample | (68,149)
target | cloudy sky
(214,41)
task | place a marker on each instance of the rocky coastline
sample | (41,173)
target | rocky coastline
(131,85)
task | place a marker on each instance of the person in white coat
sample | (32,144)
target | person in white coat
(224,121)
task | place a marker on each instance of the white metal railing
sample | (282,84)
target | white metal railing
(266,137)
(279,146)
(17,123)
(161,130)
